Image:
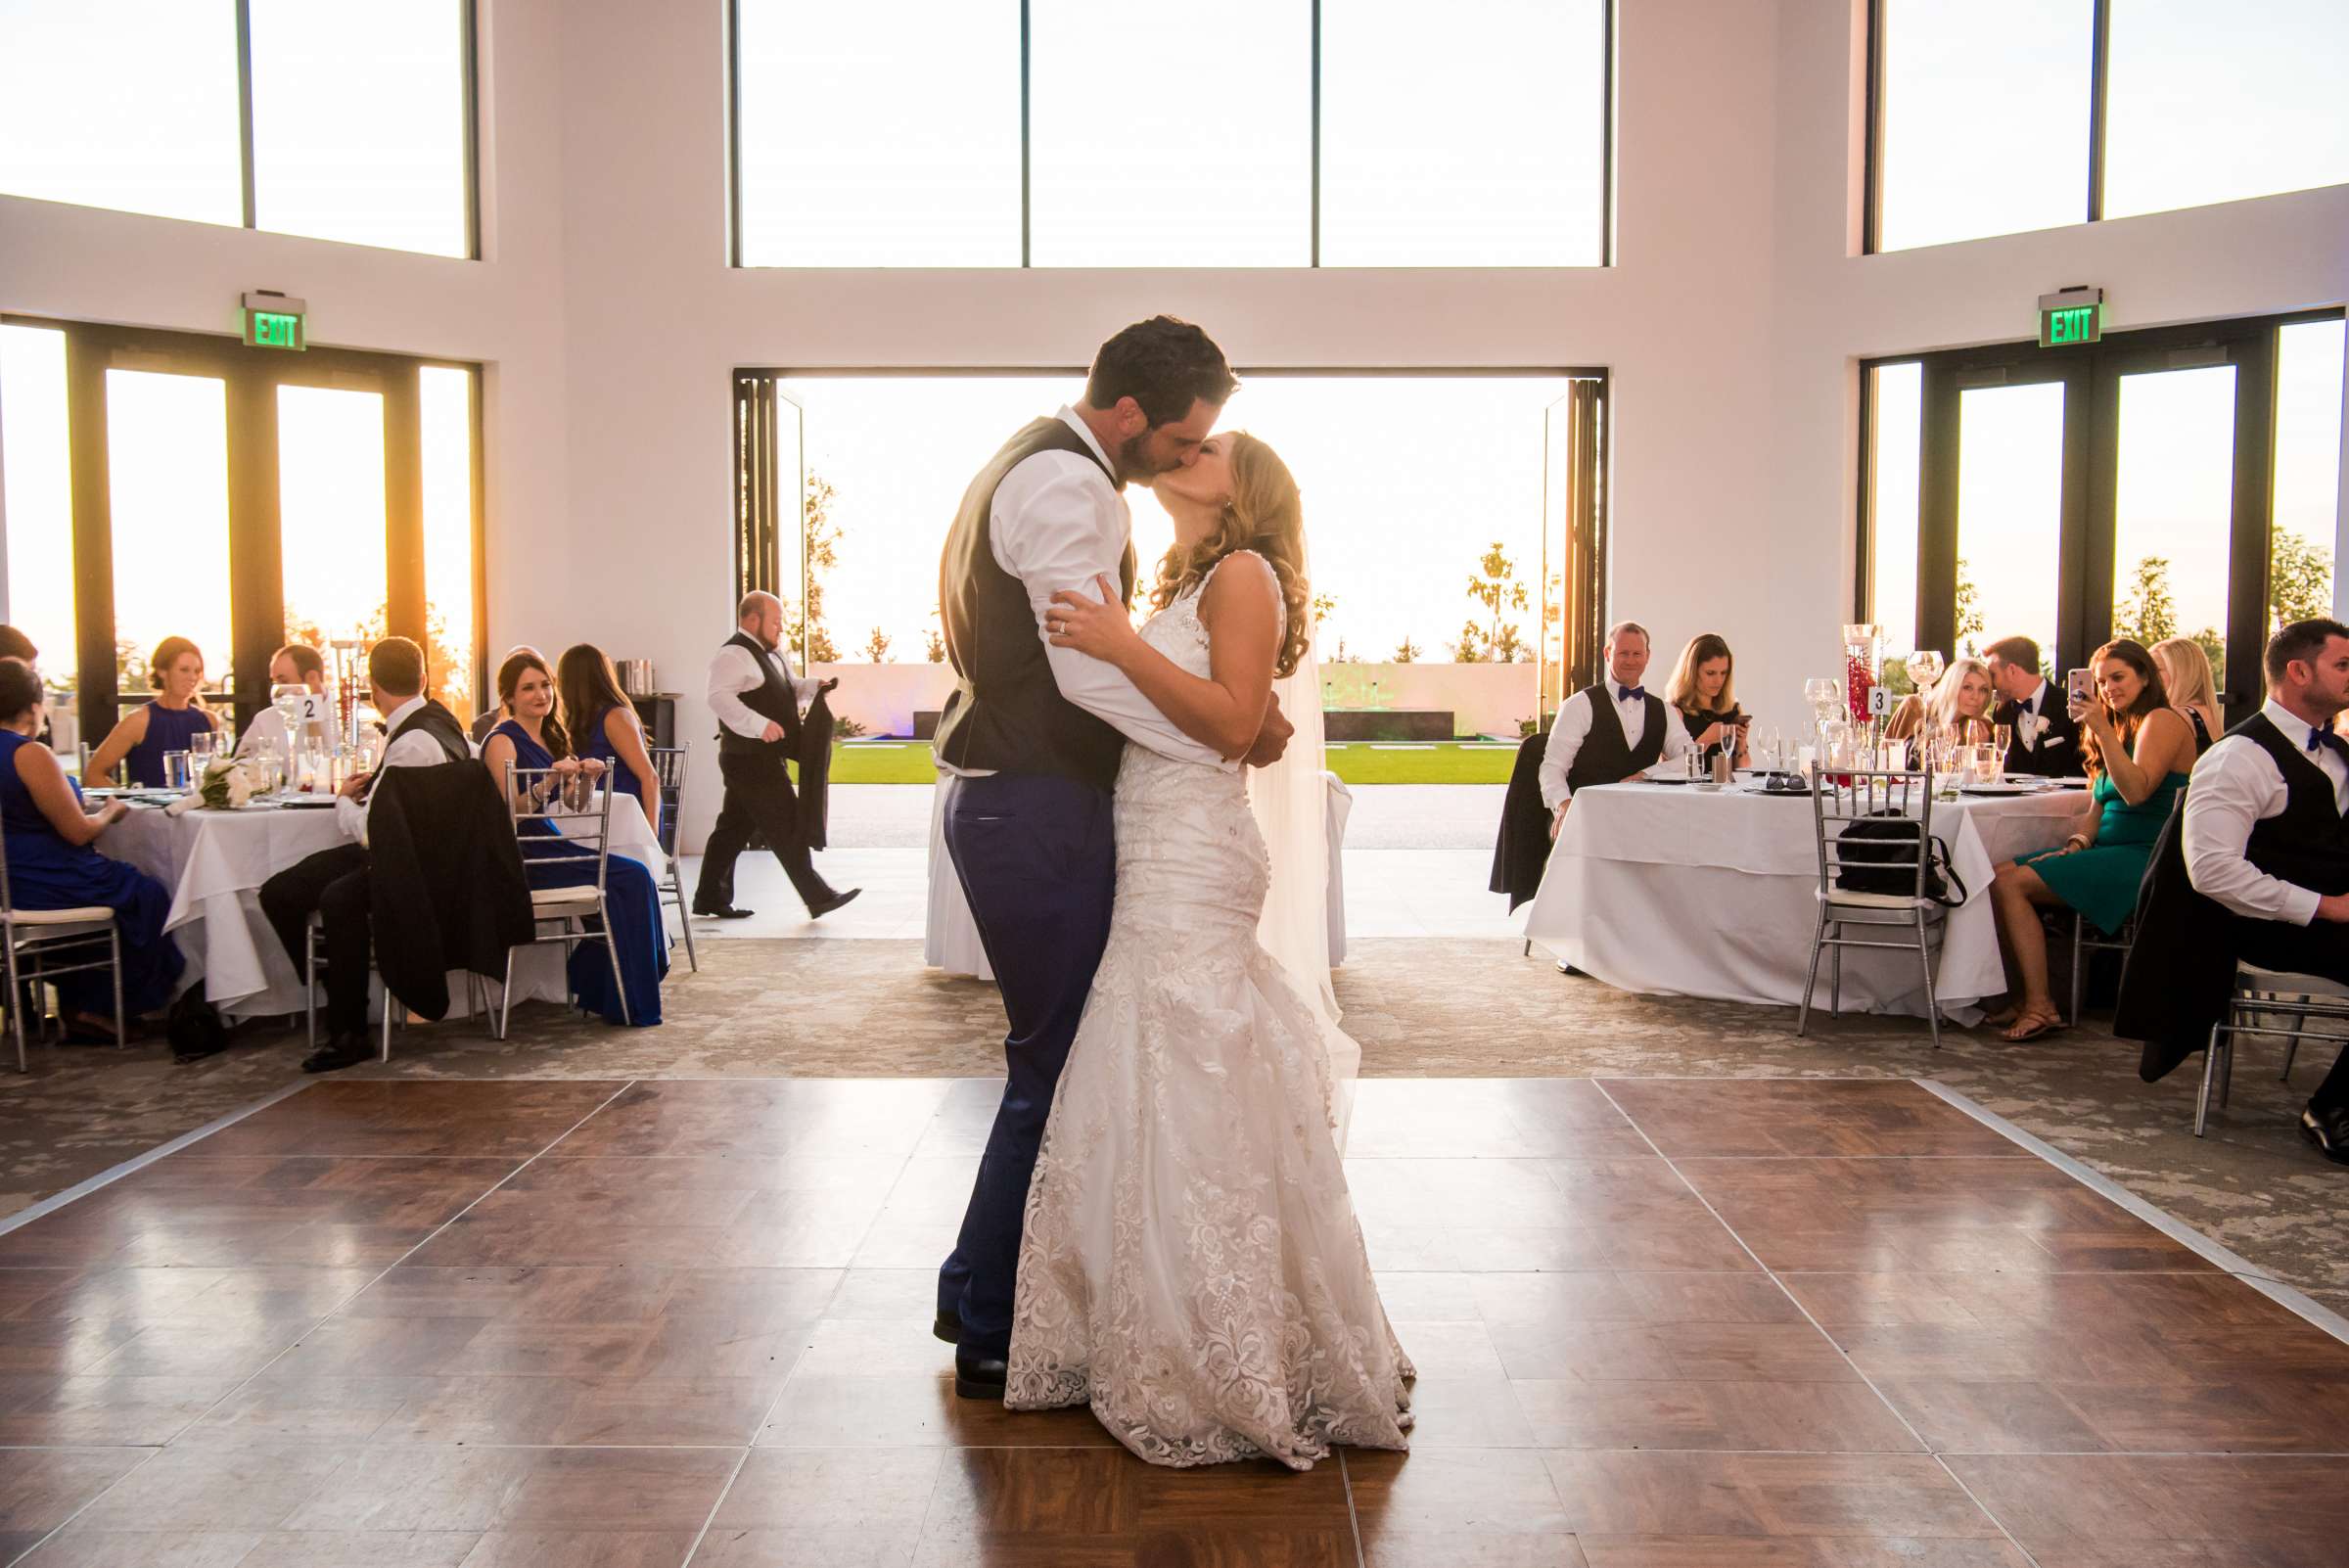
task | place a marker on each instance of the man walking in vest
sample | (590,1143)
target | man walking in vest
(1610,732)
(1028,745)
(756,699)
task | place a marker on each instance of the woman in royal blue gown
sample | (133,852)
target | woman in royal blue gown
(607,729)
(535,737)
(177,712)
(53,863)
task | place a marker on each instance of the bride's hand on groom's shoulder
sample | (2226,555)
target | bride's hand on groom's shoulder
(1098,627)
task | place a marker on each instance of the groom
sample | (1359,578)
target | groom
(1027,747)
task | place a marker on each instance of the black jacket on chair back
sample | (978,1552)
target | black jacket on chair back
(444,879)
(2181,968)
(1006,713)
(1522,848)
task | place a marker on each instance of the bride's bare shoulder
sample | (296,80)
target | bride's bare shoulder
(1241,576)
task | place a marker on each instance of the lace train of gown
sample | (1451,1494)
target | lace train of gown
(1192,1265)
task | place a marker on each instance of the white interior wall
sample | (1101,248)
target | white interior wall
(608,320)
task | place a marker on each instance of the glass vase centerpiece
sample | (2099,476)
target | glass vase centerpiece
(1862,667)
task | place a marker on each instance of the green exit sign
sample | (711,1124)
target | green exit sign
(274,321)
(2071,316)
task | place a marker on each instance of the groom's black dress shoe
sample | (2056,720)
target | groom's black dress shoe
(2329,1130)
(948,1327)
(979,1378)
(824,906)
(721,911)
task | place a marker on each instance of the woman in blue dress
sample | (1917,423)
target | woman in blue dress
(176,672)
(2139,751)
(608,729)
(53,864)
(535,737)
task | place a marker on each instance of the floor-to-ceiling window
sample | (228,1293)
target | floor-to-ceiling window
(2183,482)
(1453,516)
(173,485)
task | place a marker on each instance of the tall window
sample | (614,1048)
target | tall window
(1992,116)
(359,117)
(1246,133)
(237,496)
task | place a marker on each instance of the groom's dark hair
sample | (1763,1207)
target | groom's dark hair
(1164,365)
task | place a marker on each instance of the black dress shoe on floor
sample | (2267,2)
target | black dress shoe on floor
(2329,1130)
(948,1327)
(979,1378)
(823,907)
(721,911)
(348,1050)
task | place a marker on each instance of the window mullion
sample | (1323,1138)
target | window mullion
(2099,71)
(245,108)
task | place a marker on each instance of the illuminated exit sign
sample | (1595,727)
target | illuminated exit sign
(2071,316)
(274,321)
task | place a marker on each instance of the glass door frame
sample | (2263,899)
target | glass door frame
(257,588)
(2092,377)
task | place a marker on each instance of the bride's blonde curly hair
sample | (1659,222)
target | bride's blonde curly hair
(1266,515)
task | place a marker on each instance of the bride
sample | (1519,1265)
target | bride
(1192,1265)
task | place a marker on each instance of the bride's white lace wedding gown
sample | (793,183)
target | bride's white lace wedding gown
(1192,1265)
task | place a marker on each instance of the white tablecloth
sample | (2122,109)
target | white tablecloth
(1677,890)
(950,939)
(214,864)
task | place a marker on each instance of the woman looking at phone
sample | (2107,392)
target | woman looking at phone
(1702,690)
(2139,751)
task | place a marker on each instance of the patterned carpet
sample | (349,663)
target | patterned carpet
(1459,1008)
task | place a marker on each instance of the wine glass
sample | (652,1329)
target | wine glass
(1925,667)
(2002,739)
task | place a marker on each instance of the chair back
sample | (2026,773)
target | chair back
(8,902)
(668,767)
(575,832)
(1897,861)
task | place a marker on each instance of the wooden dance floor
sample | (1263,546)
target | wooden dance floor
(1659,1324)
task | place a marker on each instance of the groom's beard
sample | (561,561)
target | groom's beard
(1133,461)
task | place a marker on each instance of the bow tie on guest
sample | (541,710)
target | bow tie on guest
(2331,742)
(377,725)
(1624,694)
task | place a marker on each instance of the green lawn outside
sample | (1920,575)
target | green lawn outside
(908,763)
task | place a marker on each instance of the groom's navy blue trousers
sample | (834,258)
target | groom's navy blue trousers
(1038,860)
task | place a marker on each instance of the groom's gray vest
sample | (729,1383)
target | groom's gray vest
(1006,713)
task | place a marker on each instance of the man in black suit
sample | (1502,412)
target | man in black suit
(2047,738)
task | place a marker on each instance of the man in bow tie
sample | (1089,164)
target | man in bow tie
(2263,842)
(1611,732)
(2047,738)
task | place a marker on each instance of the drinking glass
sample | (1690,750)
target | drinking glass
(1983,758)
(175,771)
(1924,669)
(201,748)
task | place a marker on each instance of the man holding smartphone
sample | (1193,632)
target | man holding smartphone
(2047,738)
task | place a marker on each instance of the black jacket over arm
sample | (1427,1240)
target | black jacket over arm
(811,749)
(445,881)
(1522,850)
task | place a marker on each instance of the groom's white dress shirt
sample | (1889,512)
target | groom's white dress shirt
(2031,721)
(734,671)
(1572,727)
(1058,522)
(2234,786)
(415,749)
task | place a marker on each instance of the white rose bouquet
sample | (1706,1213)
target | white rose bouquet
(224,787)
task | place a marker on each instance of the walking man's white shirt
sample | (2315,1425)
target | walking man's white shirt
(734,671)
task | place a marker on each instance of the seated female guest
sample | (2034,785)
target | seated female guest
(2185,676)
(535,737)
(1703,689)
(1962,703)
(176,672)
(2139,751)
(609,730)
(53,864)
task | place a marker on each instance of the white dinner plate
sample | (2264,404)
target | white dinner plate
(2000,789)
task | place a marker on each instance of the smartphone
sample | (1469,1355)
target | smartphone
(2080,684)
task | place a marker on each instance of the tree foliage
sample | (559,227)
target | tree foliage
(2299,580)
(2148,613)
(1495,588)
(1406,651)
(807,630)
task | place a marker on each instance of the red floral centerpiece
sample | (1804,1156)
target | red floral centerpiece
(1862,666)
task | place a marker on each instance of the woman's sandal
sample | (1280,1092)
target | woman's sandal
(2034,1028)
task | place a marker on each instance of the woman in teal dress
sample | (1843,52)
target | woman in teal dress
(2139,751)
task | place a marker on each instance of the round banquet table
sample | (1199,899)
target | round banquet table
(214,864)
(1683,889)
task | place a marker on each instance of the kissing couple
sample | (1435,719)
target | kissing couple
(1161,1227)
